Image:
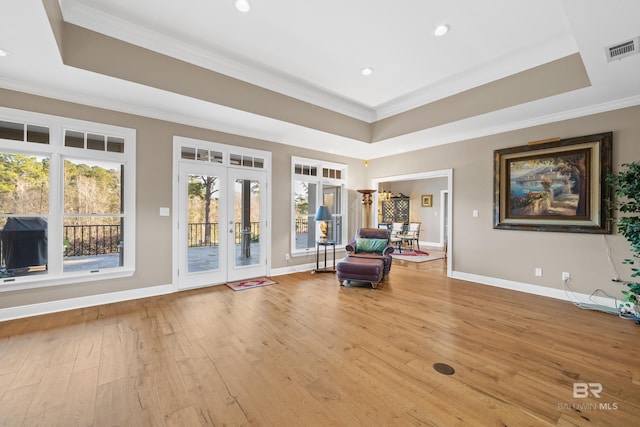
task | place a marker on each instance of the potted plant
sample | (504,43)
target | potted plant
(626,187)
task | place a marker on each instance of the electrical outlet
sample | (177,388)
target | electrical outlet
(538,272)
(287,257)
(566,276)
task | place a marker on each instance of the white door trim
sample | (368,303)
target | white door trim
(235,272)
(446,173)
(227,150)
(443,213)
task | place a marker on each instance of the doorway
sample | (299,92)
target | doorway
(444,219)
(221,204)
(446,238)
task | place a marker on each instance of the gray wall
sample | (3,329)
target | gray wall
(513,255)
(478,248)
(154,190)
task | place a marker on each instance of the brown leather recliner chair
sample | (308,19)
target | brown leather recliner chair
(368,257)
(372,233)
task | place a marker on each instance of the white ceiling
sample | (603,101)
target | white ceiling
(314,51)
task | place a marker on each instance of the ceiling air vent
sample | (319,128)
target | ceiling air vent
(623,49)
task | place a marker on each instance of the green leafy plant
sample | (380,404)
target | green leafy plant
(626,187)
(632,295)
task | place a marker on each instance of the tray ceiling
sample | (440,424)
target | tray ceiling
(295,66)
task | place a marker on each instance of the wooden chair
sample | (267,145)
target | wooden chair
(397,233)
(412,234)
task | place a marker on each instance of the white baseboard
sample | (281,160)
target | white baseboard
(300,268)
(112,297)
(81,302)
(29,310)
(432,244)
(566,295)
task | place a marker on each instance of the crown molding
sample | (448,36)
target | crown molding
(476,127)
(556,47)
(219,61)
(219,119)
(224,119)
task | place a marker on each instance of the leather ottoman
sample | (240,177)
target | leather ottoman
(361,268)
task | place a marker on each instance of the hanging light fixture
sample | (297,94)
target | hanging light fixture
(384,195)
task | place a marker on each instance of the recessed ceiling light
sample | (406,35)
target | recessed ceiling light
(4,52)
(367,71)
(243,5)
(441,30)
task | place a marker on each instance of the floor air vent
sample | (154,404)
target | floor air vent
(623,49)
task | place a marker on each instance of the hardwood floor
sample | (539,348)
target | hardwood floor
(307,352)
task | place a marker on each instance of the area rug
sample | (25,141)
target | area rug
(416,256)
(250,284)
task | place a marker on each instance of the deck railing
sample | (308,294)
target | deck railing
(82,240)
(198,236)
(302,225)
(103,239)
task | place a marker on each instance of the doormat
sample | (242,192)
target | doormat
(251,283)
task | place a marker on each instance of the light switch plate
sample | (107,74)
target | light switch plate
(164,211)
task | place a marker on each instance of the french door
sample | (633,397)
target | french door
(247,222)
(222,223)
(202,217)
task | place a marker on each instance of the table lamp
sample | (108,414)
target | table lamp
(323,215)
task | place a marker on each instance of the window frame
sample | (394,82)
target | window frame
(321,181)
(57,152)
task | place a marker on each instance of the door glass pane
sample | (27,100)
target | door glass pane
(188,153)
(203,155)
(247,222)
(203,223)
(216,156)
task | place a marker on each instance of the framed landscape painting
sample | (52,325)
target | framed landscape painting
(554,186)
(427,200)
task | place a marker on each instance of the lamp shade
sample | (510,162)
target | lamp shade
(323,214)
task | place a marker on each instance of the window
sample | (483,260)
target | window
(66,209)
(93,218)
(317,183)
